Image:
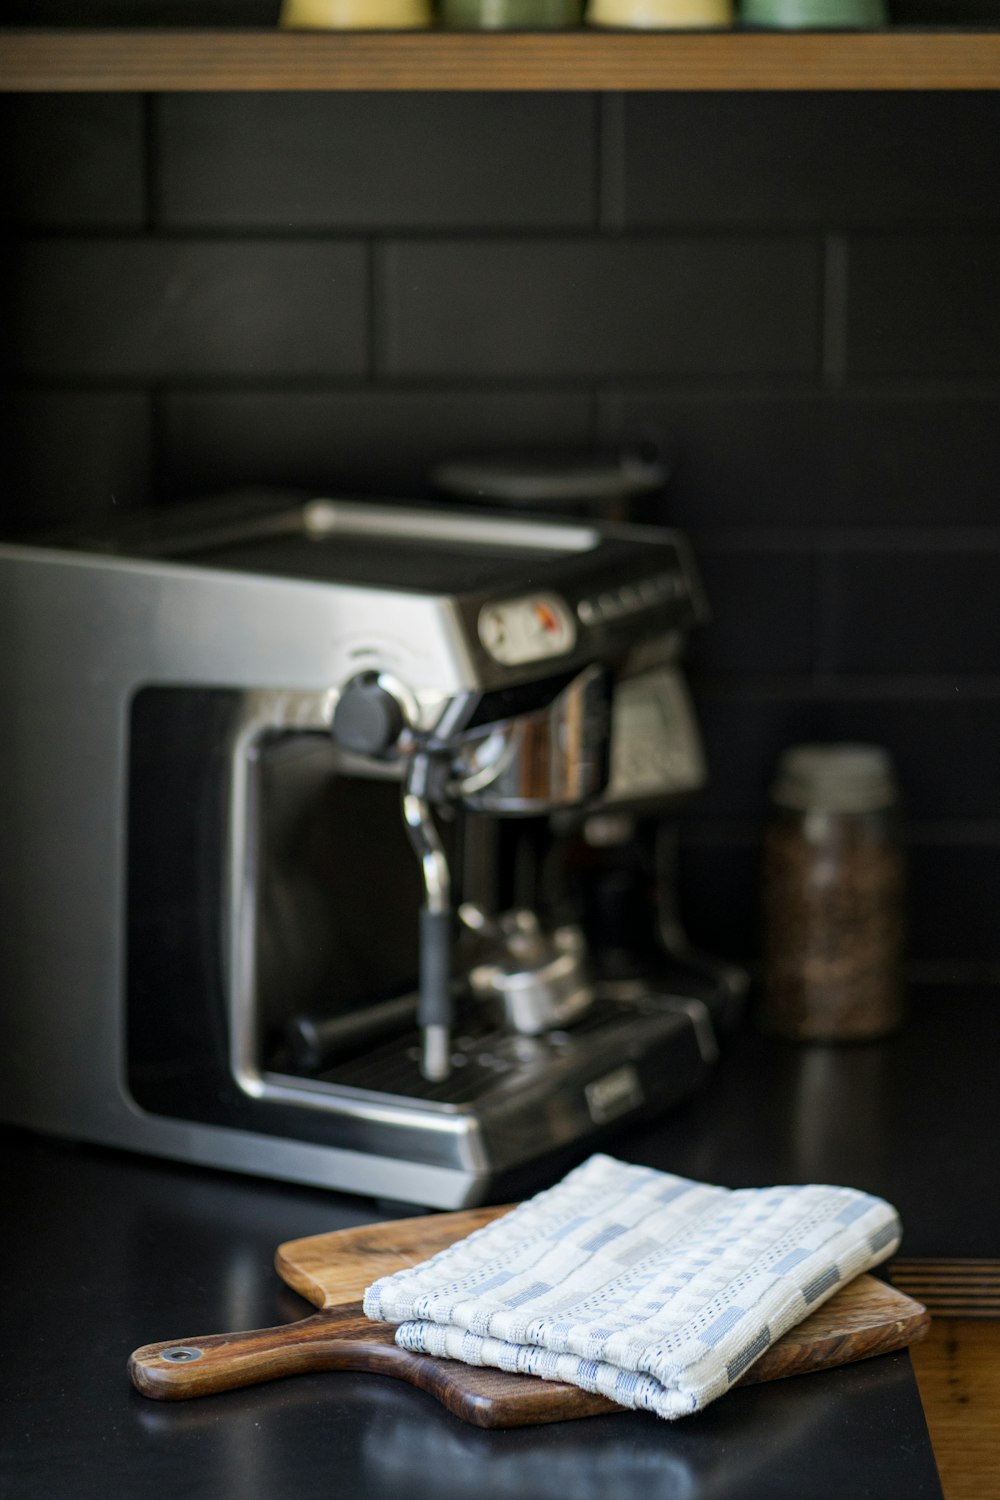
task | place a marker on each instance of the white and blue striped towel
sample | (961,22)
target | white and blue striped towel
(653,1290)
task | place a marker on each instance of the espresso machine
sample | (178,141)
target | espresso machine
(297,804)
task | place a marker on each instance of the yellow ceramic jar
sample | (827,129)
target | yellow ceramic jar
(356,15)
(661,15)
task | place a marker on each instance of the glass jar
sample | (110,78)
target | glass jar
(832,896)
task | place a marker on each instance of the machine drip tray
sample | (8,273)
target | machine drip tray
(489,1064)
(510,1100)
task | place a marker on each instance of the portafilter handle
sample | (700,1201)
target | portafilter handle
(435,1009)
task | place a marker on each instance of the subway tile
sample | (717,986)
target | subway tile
(944,749)
(743,737)
(924,304)
(146,308)
(422,161)
(688,306)
(767,458)
(801,159)
(954,897)
(371,441)
(717,896)
(78,454)
(762,604)
(929,610)
(73,160)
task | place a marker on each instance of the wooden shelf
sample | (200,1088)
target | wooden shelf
(189,60)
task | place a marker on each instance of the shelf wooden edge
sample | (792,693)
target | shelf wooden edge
(187,60)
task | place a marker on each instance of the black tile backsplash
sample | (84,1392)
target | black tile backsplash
(763,603)
(376,162)
(927,611)
(74,160)
(924,304)
(768,457)
(954,890)
(689,306)
(156,308)
(375,442)
(808,159)
(795,296)
(80,453)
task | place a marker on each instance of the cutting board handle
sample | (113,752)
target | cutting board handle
(342,1338)
(339,1338)
(179,1369)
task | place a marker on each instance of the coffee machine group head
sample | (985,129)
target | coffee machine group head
(297,856)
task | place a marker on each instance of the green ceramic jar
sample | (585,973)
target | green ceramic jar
(801,14)
(510,15)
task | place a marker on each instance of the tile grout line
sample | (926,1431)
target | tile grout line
(374,270)
(833,361)
(154,390)
(610,163)
(826,575)
(834,311)
(152,205)
(608,128)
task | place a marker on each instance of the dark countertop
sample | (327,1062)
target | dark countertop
(102,1251)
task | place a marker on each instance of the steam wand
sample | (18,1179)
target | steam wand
(435,1011)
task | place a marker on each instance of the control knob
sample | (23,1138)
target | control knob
(369,718)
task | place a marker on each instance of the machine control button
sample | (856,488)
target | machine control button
(628,599)
(531,628)
(368,719)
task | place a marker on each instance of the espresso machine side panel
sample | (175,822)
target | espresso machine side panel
(62,770)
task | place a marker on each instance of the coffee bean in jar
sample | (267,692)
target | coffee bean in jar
(832,896)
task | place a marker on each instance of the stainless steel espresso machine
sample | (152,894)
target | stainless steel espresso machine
(297,805)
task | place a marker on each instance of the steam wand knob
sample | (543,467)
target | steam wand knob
(368,718)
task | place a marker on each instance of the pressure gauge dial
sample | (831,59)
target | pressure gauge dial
(530,628)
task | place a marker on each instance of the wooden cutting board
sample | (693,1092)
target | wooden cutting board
(332,1271)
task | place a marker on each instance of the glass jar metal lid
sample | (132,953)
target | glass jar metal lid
(835,778)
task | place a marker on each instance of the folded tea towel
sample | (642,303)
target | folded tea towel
(653,1290)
